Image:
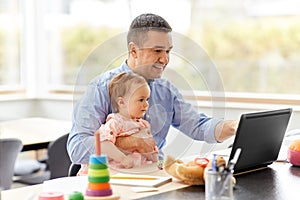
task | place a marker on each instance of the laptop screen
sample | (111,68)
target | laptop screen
(259,135)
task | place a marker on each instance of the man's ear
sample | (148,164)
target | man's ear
(132,49)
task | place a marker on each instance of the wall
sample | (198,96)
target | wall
(50,108)
(18,108)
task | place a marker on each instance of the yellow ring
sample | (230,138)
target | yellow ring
(98,172)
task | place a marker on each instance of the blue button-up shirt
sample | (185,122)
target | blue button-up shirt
(166,108)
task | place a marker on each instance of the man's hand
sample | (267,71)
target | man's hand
(226,129)
(134,143)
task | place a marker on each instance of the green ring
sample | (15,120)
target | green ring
(98,172)
(97,166)
(103,179)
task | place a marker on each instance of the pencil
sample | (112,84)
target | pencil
(133,177)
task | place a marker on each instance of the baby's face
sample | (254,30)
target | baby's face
(137,103)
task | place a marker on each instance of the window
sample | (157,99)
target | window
(253,44)
(247,47)
(10,30)
(73,29)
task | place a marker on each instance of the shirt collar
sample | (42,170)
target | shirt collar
(125,67)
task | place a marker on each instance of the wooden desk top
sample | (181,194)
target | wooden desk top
(279,181)
(34,131)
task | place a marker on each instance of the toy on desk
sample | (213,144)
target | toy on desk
(294,153)
(192,172)
(98,176)
(51,196)
(76,196)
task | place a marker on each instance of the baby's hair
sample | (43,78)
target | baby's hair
(121,84)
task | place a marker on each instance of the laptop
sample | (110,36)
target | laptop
(259,136)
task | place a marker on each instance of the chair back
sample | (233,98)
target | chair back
(58,158)
(74,169)
(9,151)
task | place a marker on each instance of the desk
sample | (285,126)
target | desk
(35,133)
(279,181)
(32,192)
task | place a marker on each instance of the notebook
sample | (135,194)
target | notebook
(259,135)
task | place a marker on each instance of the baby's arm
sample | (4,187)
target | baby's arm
(114,153)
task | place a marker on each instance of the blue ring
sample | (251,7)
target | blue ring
(102,159)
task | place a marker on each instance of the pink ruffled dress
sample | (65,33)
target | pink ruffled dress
(117,126)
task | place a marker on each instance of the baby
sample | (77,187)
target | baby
(129,95)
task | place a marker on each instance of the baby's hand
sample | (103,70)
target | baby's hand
(127,162)
(152,156)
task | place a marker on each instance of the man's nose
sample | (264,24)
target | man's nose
(164,58)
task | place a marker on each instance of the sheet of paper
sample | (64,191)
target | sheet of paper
(144,169)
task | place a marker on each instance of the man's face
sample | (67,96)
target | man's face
(153,56)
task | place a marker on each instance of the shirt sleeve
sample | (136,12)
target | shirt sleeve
(191,122)
(167,107)
(88,114)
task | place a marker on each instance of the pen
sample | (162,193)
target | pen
(229,170)
(214,163)
(234,159)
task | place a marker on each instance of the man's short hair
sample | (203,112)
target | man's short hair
(144,23)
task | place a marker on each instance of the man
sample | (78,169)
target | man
(149,43)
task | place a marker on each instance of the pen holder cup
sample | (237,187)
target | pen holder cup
(218,185)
